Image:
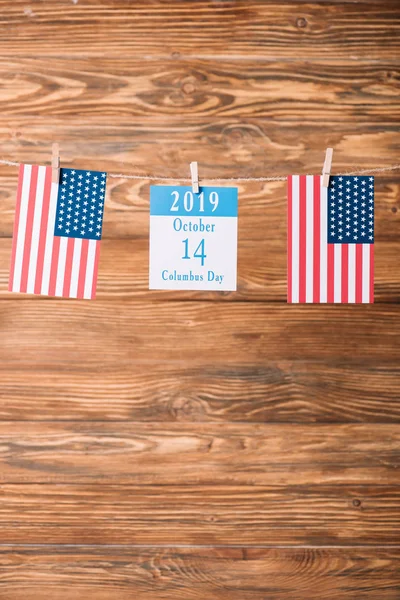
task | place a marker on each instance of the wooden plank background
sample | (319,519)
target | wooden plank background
(163,445)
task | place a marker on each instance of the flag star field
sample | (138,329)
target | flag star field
(351,210)
(80,204)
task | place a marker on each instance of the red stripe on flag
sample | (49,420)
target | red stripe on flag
(95,270)
(68,267)
(302,238)
(289,242)
(331,273)
(317,240)
(29,228)
(16,225)
(43,231)
(359,275)
(371,273)
(82,269)
(345,273)
(54,265)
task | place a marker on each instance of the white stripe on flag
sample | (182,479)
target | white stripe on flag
(309,237)
(352,273)
(37,219)
(90,269)
(366,272)
(295,237)
(324,247)
(49,239)
(337,289)
(62,257)
(76,263)
(19,255)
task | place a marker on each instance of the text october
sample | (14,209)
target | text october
(198,226)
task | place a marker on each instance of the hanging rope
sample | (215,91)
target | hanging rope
(215,179)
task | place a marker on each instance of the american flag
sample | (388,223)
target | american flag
(57,232)
(330,239)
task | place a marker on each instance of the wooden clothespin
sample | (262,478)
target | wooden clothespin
(195,177)
(55,163)
(326,171)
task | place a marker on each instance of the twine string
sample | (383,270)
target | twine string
(188,179)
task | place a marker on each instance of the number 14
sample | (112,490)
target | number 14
(198,253)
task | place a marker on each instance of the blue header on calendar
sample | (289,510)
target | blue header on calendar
(170,200)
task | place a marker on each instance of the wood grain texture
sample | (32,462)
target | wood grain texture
(261,30)
(275,515)
(102,335)
(206,446)
(94,573)
(224,454)
(363,92)
(277,391)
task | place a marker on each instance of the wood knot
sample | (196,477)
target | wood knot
(186,408)
(29,12)
(356,502)
(394,209)
(188,87)
(301,22)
